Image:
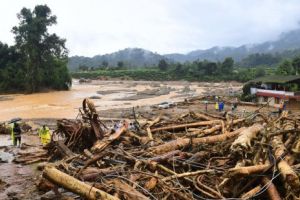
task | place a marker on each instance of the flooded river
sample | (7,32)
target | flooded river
(65,104)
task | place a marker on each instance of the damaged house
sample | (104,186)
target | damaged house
(276,89)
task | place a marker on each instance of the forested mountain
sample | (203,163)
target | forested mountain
(270,52)
(129,57)
(287,42)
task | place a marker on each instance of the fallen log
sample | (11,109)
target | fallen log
(74,185)
(212,115)
(94,159)
(215,128)
(245,137)
(100,145)
(166,156)
(271,189)
(287,172)
(63,149)
(183,142)
(248,170)
(251,193)
(92,173)
(128,191)
(205,131)
(183,126)
(201,116)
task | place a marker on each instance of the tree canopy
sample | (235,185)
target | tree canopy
(38,60)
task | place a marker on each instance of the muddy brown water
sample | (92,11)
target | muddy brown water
(65,104)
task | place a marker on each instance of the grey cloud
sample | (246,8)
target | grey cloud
(164,26)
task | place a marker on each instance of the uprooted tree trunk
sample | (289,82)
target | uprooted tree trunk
(68,182)
(183,142)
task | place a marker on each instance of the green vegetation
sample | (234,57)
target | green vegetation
(195,71)
(38,60)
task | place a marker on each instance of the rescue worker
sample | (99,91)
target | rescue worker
(217,106)
(17,134)
(44,134)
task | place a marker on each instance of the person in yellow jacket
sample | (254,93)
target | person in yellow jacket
(45,135)
(217,106)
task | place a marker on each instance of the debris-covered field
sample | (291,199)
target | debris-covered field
(188,155)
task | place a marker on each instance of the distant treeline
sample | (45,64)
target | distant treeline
(193,71)
(38,60)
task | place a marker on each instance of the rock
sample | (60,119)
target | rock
(83,80)
(95,97)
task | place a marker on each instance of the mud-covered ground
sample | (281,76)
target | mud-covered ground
(17,181)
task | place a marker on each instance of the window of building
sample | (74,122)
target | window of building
(277,100)
(265,99)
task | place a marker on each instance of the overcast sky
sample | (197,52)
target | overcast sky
(94,27)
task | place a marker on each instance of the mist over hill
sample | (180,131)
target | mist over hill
(286,42)
(130,57)
(287,45)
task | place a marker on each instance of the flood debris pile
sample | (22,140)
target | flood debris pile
(192,156)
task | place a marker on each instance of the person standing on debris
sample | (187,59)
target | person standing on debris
(217,106)
(44,134)
(221,106)
(17,134)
